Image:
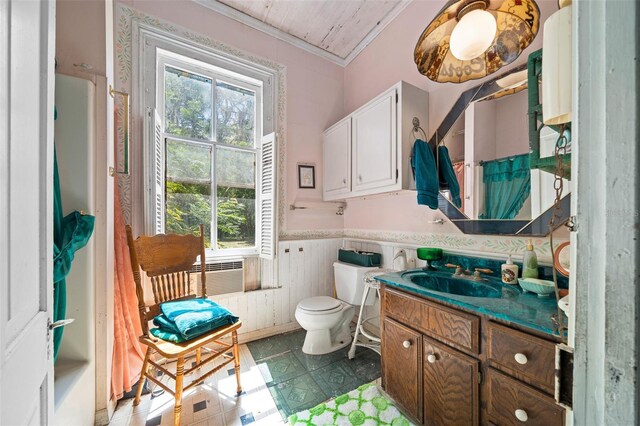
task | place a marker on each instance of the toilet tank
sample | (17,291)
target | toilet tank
(350,283)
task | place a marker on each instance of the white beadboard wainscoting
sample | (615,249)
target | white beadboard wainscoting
(305,269)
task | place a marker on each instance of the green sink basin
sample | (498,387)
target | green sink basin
(458,286)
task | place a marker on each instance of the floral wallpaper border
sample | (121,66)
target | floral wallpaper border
(311,234)
(490,245)
(123,51)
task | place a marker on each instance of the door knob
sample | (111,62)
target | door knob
(406,344)
(521,358)
(432,358)
(521,415)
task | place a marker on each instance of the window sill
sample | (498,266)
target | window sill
(230,257)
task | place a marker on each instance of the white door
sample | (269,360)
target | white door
(374,144)
(27,43)
(336,150)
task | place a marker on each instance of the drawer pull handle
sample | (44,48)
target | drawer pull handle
(406,344)
(521,358)
(521,415)
(432,358)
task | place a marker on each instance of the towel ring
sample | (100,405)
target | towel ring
(416,128)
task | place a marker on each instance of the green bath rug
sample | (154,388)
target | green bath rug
(365,406)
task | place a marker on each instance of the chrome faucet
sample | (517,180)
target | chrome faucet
(476,275)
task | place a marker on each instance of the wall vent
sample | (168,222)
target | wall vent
(218,266)
(222,277)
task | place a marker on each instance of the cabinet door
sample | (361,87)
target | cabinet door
(337,159)
(450,386)
(401,374)
(375,144)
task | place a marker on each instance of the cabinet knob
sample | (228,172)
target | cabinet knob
(521,358)
(360,178)
(521,415)
(344,181)
(432,358)
(406,344)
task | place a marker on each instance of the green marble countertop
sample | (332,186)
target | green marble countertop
(513,304)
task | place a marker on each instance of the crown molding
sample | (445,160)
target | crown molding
(256,24)
(393,14)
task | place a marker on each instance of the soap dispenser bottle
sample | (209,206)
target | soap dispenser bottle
(509,272)
(530,262)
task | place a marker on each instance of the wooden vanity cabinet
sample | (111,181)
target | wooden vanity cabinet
(445,366)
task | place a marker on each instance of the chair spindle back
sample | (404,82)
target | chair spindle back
(167,260)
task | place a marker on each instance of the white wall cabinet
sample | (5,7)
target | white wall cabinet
(368,152)
(374,143)
(337,160)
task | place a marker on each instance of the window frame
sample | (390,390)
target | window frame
(157,49)
(169,59)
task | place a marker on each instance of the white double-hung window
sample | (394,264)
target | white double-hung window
(207,160)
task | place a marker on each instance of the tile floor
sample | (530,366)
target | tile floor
(277,380)
(298,381)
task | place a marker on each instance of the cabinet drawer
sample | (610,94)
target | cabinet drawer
(457,328)
(529,358)
(510,402)
(401,307)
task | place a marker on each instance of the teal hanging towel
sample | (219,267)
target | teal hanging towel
(507,186)
(70,234)
(445,168)
(423,164)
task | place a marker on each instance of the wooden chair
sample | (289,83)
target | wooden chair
(168,260)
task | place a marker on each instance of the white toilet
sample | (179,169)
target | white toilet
(327,319)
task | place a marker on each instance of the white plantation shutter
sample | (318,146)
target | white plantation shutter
(267,198)
(157,174)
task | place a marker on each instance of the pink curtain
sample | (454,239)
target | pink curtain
(128,352)
(458,169)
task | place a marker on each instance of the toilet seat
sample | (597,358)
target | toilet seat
(320,305)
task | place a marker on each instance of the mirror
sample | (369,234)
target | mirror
(487,138)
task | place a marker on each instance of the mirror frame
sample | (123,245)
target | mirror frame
(537,227)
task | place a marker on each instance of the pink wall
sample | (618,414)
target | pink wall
(314,95)
(483,136)
(80,37)
(388,59)
(512,136)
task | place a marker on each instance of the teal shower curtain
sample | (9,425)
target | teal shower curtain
(507,186)
(70,234)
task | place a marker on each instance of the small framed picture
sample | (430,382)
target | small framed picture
(306,176)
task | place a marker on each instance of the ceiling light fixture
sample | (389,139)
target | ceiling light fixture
(474,33)
(470,39)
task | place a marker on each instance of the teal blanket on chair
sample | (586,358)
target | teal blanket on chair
(183,320)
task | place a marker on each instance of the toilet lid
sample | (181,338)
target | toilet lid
(319,303)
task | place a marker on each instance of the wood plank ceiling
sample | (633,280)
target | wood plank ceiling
(335,26)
